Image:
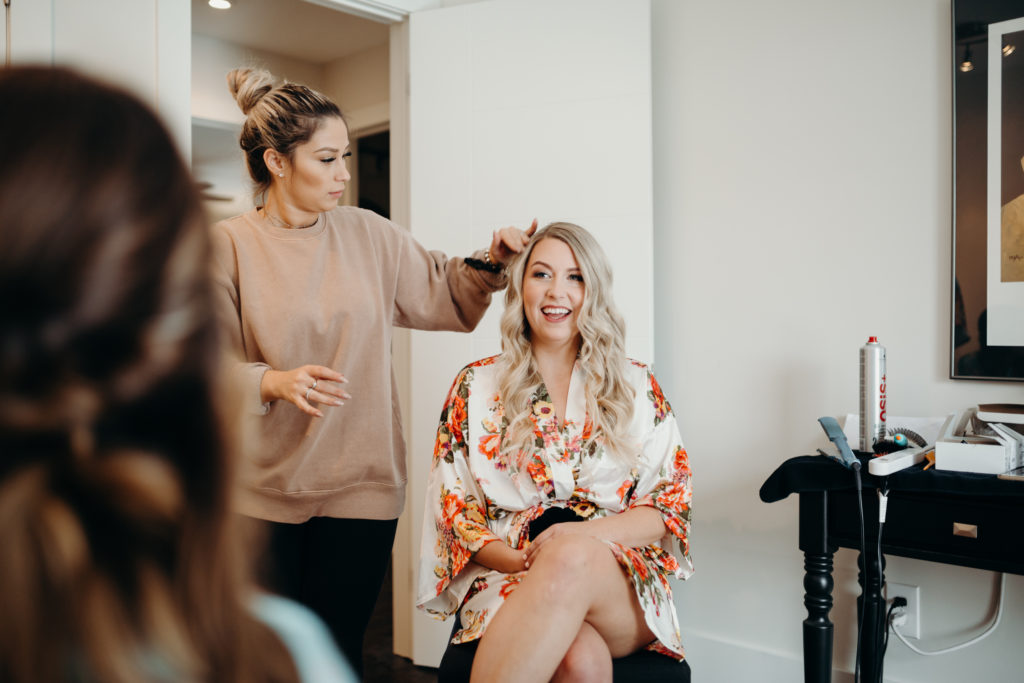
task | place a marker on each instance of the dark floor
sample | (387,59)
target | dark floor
(380,664)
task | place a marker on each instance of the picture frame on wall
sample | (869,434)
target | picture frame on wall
(987,317)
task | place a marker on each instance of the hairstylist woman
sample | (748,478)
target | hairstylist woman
(308,292)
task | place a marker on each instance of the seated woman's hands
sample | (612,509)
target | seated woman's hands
(501,557)
(636,527)
(508,560)
(557,530)
(633,528)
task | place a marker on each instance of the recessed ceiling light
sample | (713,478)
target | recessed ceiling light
(220,4)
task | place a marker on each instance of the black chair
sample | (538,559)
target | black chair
(639,667)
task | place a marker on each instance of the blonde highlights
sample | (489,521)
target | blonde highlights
(602,355)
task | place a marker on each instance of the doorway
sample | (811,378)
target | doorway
(373,171)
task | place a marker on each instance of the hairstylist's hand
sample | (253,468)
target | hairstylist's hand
(554,531)
(507,242)
(305,386)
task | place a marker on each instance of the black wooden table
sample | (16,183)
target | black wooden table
(970,520)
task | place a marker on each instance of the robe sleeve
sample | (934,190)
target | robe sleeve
(665,482)
(455,512)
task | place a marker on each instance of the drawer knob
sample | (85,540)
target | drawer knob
(968,530)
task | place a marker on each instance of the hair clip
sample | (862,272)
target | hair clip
(484,265)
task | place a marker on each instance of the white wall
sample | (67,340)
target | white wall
(141,45)
(359,83)
(212,59)
(802,202)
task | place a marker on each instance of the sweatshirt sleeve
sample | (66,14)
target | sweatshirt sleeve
(245,377)
(434,292)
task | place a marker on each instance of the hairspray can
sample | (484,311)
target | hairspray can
(872,394)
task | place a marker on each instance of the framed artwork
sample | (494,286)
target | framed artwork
(987,330)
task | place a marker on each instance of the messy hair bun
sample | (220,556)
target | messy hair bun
(277,116)
(248,86)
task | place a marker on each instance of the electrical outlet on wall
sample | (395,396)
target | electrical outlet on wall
(910,625)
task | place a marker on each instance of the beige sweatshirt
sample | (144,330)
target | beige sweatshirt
(329,295)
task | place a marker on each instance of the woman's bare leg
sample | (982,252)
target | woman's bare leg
(575,579)
(587,661)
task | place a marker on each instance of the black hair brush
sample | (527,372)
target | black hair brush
(897,439)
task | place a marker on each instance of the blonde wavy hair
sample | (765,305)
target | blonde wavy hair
(602,355)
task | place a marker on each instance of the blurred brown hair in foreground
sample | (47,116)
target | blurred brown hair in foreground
(119,559)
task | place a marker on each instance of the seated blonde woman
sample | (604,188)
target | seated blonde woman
(559,428)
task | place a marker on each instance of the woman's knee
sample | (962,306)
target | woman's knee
(573,554)
(563,562)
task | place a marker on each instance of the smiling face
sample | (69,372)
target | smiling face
(315,175)
(553,292)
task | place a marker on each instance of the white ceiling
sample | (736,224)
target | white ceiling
(292,28)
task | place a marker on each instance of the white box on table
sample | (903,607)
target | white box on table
(981,454)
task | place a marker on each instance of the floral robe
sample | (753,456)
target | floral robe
(475,496)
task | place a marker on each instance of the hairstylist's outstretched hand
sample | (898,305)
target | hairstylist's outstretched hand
(509,241)
(305,386)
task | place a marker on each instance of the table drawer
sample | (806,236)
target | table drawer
(979,532)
